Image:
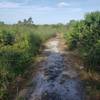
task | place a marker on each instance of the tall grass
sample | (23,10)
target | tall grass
(19,44)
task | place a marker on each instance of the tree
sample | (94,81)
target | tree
(19,22)
(25,22)
(30,21)
(1,23)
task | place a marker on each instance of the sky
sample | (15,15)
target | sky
(46,11)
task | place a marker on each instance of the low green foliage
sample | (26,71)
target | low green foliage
(7,38)
(19,44)
(84,35)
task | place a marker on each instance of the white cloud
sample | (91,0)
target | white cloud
(63,4)
(9,5)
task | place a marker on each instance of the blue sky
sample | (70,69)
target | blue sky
(46,11)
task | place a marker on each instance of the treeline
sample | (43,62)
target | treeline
(84,36)
(19,44)
(28,21)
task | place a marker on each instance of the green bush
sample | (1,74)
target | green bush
(94,55)
(84,35)
(7,38)
(12,64)
(34,43)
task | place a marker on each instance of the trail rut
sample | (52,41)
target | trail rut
(56,80)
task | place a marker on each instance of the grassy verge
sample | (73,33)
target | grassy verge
(19,46)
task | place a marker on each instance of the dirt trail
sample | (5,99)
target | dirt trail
(56,79)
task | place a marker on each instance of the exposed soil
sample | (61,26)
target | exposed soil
(56,78)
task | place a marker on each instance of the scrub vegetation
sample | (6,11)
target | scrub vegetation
(19,45)
(84,35)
